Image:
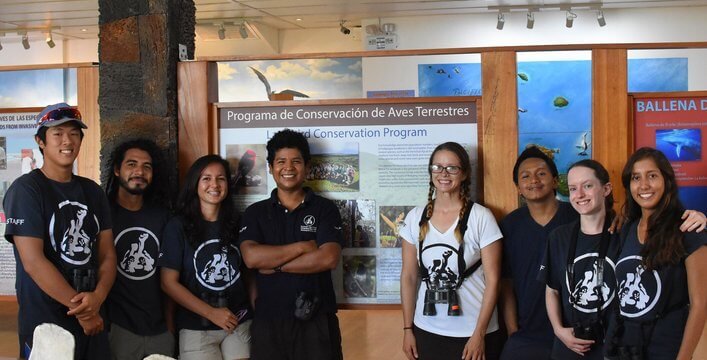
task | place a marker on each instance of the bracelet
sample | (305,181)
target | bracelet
(407,328)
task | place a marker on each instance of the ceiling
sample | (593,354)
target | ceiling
(78,19)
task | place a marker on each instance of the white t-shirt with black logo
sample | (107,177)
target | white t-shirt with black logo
(440,257)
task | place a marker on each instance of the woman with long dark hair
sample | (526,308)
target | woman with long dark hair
(201,266)
(451,313)
(662,297)
(579,266)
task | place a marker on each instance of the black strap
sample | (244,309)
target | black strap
(460,251)
(601,259)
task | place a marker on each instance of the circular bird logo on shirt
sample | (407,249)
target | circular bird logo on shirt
(72,232)
(441,263)
(639,290)
(585,291)
(136,249)
(216,267)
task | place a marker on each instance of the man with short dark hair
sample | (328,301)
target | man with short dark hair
(294,241)
(135,304)
(59,224)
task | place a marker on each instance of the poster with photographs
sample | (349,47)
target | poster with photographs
(369,157)
(19,155)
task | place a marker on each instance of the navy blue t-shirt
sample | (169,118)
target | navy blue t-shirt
(208,271)
(524,244)
(268,222)
(70,231)
(580,295)
(643,295)
(135,301)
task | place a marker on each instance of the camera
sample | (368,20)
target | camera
(441,292)
(83,280)
(305,306)
(592,330)
(217,300)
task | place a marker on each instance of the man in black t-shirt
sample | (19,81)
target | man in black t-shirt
(294,241)
(135,304)
(60,227)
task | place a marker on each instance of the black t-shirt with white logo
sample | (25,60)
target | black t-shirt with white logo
(135,301)
(582,294)
(643,295)
(267,222)
(70,231)
(209,271)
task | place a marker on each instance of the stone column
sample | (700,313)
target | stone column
(138,54)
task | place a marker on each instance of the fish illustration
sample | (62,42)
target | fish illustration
(560,102)
(522,110)
(549,152)
(456,70)
(441,71)
(523,76)
(583,146)
(270,92)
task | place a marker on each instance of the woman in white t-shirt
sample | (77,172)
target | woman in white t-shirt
(451,315)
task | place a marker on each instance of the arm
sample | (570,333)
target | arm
(221,317)
(42,271)
(694,221)
(89,303)
(326,257)
(408,295)
(491,261)
(565,334)
(259,256)
(696,265)
(509,307)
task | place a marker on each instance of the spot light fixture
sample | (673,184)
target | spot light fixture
(50,40)
(501,21)
(243,31)
(344,30)
(221,32)
(530,22)
(600,18)
(570,18)
(25,40)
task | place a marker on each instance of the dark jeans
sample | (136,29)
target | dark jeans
(291,339)
(438,347)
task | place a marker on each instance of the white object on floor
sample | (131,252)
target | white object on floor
(52,342)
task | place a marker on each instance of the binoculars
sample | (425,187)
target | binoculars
(444,296)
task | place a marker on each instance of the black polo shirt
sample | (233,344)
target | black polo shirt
(268,222)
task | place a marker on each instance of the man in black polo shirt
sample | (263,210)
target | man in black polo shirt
(294,240)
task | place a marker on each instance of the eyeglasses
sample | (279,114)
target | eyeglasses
(59,114)
(451,169)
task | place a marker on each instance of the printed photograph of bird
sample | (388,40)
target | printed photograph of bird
(269,90)
(245,165)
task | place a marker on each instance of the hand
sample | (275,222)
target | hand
(86,304)
(580,346)
(409,344)
(474,348)
(92,325)
(694,221)
(617,223)
(223,318)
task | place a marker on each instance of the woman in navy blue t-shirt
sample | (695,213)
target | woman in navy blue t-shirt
(660,272)
(201,266)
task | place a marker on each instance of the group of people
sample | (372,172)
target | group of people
(570,280)
(128,279)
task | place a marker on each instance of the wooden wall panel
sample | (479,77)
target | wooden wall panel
(498,130)
(87,96)
(197,86)
(612,134)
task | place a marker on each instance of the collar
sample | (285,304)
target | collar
(308,195)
